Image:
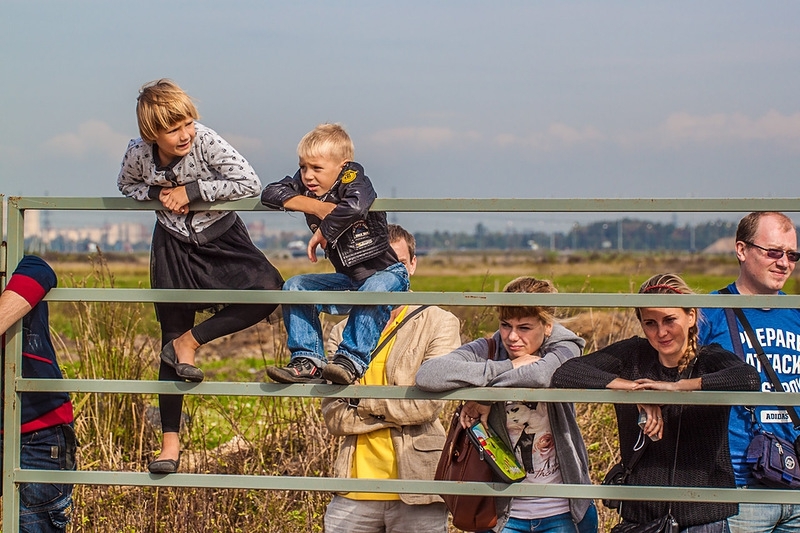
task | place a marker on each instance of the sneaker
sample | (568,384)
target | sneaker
(299,370)
(341,371)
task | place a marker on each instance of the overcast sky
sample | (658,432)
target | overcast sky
(443,99)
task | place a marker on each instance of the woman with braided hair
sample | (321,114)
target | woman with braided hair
(669,359)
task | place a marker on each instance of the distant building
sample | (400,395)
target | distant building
(129,237)
(126,234)
(725,245)
(32,226)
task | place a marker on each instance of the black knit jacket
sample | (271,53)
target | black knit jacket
(703,456)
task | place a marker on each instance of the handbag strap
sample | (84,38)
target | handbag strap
(762,358)
(688,373)
(638,453)
(733,329)
(675,459)
(392,333)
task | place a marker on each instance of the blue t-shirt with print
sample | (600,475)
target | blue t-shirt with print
(778,332)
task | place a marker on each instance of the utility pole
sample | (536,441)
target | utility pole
(575,236)
(393,216)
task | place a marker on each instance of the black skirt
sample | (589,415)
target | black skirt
(231,261)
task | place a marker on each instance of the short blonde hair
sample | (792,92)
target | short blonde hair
(161,104)
(327,140)
(528,284)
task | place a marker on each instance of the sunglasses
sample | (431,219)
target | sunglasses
(774,253)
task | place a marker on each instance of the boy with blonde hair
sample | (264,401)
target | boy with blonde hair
(335,195)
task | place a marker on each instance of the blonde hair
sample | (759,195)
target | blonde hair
(327,140)
(528,284)
(161,104)
(673,284)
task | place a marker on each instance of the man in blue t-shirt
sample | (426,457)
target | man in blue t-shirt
(766,247)
(47,439)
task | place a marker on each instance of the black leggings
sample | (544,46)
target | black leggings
(177,320)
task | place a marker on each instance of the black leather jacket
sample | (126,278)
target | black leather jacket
(358,242)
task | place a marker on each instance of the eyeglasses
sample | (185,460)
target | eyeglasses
(775,253)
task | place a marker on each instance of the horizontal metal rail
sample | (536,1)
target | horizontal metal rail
(228,388)
(605,300)
(448,205)
(323,484)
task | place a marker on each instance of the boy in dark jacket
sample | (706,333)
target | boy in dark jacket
(335,195)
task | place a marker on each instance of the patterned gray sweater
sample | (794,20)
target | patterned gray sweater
(212,171)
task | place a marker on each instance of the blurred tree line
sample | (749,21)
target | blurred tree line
(624,234)
(621,235)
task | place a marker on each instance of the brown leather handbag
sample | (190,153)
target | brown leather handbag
(461,461)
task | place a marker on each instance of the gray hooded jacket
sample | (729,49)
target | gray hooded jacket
(470,366)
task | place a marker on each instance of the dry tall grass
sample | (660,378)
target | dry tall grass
(120,433)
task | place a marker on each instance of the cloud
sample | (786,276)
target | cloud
(92,138)
(424,138)
(556,136)
(678,128)
(723,128)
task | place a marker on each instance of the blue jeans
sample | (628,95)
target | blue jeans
(560,523)
(767,517)
(364,325)
(46,507)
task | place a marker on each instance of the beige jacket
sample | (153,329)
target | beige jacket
(417,434)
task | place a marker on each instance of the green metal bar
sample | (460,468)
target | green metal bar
(277,390)
(586,205)
(439,205)
(322,484)
(3,250)
(606,300)
(12,365)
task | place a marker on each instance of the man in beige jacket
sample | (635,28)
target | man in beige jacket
(392,439)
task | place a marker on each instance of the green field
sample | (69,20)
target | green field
(566,283)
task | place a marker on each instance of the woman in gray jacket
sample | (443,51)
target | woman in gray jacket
(529,347)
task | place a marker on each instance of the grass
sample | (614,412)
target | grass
(280,436)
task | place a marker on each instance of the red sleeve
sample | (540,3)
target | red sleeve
(27,287)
